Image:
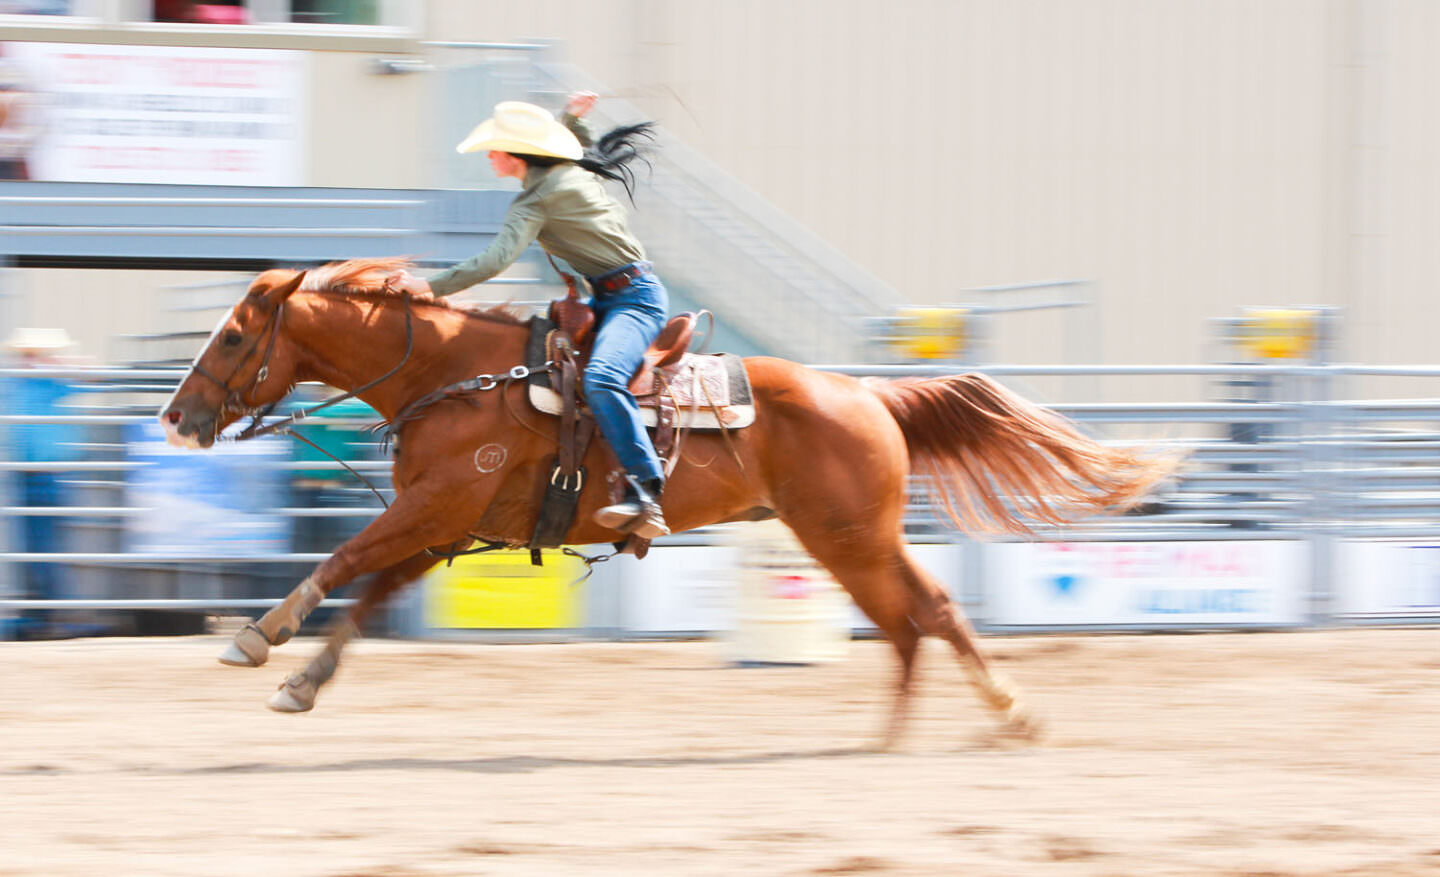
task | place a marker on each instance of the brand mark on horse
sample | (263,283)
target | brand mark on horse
(490,457)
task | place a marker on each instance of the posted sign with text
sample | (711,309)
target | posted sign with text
(159,114)
(1146,584)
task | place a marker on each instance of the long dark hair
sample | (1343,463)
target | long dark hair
(610,156)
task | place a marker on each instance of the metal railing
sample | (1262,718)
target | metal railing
(103,571)
(1316,470)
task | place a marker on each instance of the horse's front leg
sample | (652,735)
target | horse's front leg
(418,518)
(297,693)
(251,646)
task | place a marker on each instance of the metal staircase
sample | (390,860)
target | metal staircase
(766,277)
(759,270)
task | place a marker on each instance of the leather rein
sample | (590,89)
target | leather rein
(234,400)
(255,430)
(480,383)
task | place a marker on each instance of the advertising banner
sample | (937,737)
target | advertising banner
(696,589)
(216,502)
(153,114)
(1377,579)
(1146,584)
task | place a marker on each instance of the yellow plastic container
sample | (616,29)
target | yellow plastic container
(502,591)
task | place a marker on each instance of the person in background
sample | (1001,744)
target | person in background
(20,119)
(565,207)
(38,396)
(215,12)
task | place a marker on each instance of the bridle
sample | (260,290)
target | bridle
(234,399)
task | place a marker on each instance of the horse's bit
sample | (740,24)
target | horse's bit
(479,383)
(282,426)
(234,400)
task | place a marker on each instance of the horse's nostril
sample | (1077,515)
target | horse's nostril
(173,417)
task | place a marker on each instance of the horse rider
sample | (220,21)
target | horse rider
(564,205)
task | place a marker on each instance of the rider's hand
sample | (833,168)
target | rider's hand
(580,103)
(404,281)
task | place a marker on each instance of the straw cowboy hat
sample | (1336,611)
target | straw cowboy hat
(523,128)
(38,339)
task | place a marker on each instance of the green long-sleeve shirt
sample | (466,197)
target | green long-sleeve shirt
(568,211)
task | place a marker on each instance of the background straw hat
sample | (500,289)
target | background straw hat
(38,339)
(523,128)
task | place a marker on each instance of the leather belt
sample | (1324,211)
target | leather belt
(615,281)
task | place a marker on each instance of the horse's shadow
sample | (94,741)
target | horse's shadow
(521,764)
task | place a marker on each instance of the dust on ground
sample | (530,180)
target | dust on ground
(1278,754)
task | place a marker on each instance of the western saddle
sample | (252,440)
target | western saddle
(568,346)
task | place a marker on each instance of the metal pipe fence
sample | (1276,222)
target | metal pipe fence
(1313,468)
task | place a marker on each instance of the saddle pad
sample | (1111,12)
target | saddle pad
(695,383)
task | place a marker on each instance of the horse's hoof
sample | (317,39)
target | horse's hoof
(886,745)
(296,695)
(248,649)
(1022,724)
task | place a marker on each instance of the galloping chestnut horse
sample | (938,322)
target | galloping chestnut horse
(827,454)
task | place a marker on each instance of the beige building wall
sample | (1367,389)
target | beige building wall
(1189,156)
(103,310)
(367,131)
(1392,204)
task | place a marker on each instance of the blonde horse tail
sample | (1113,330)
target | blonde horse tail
(1000,463)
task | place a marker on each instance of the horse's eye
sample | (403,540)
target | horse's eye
(232,339)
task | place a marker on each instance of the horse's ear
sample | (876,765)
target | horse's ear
(277,293)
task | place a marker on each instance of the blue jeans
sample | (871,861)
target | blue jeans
(628,321)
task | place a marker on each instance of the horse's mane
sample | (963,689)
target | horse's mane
(366,277)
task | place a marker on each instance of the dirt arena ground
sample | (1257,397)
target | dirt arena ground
(1312,753)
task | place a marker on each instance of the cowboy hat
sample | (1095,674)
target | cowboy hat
(38,339)
(523,128)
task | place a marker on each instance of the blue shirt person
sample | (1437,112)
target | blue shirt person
(39,443)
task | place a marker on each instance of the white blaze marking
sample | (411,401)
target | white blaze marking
(172,433)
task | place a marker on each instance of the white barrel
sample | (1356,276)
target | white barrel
(790,610)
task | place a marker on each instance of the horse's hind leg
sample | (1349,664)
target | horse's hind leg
(905,602)
(885,602)
(297,693)
(937,615)
(873,580)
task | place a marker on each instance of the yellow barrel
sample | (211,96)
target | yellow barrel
(1279,333)
(790,610)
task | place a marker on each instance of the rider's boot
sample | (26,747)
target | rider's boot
(639,512)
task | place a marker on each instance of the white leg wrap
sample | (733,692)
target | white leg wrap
(283,622)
